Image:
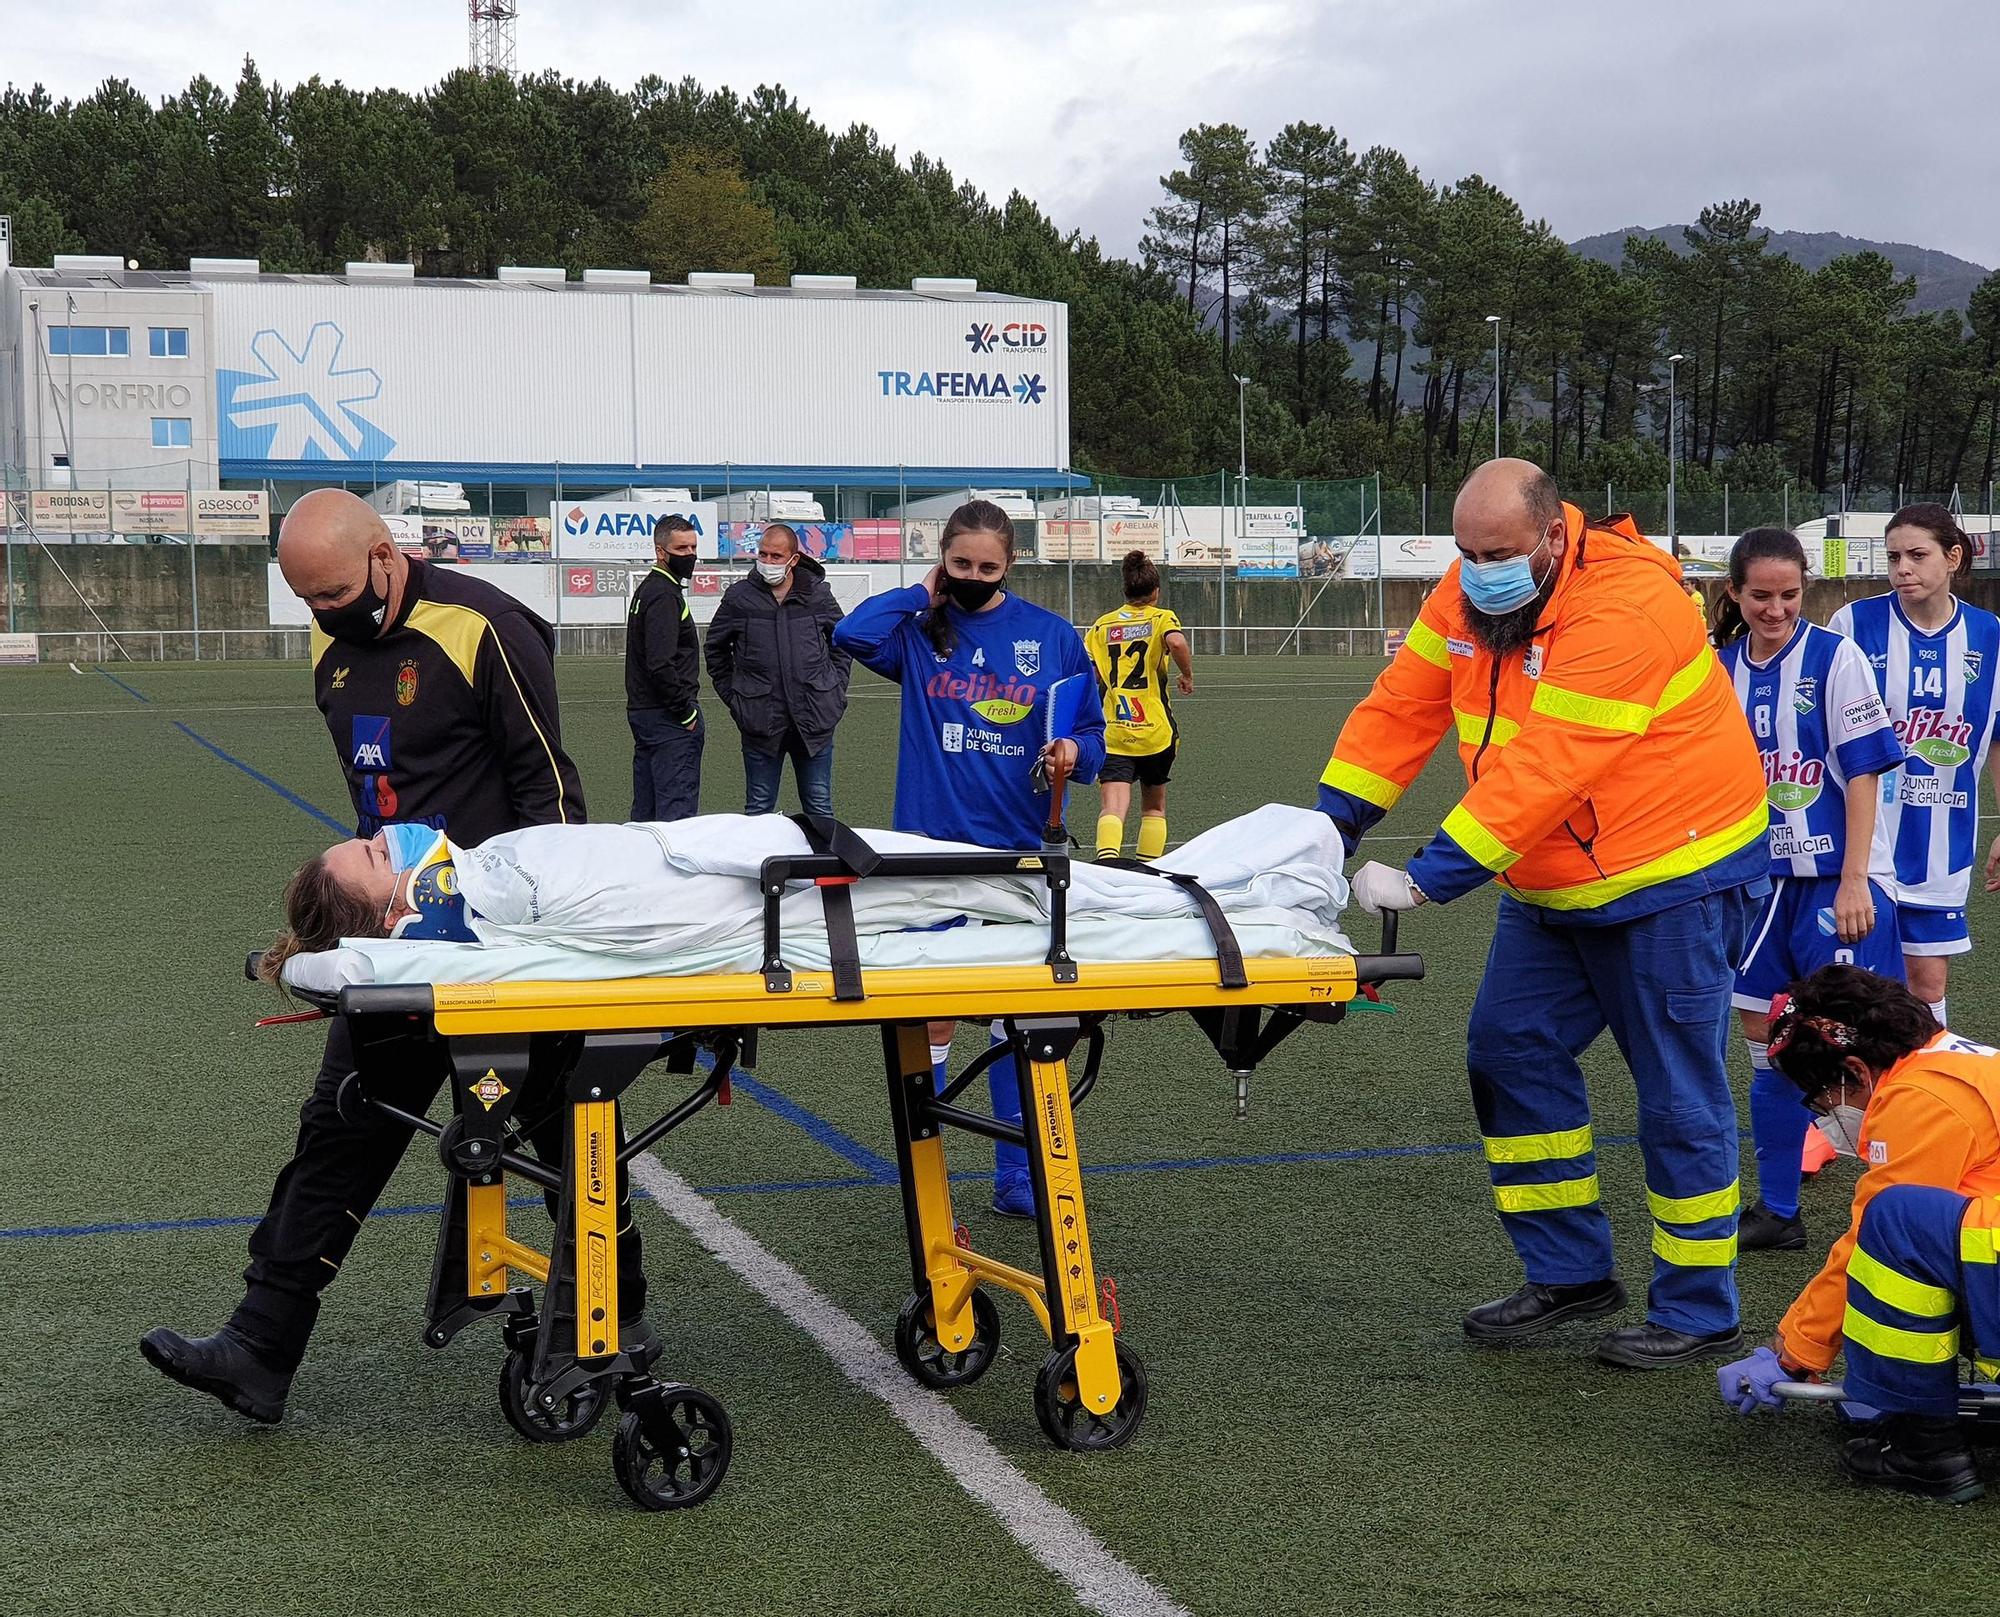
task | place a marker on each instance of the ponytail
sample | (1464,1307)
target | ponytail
(1759,544)
(1142,578)
(975,516)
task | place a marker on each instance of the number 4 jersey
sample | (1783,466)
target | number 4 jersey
(1129,647)
(1939,691)
(1819,722)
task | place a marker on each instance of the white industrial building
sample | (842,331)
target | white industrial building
(524,389)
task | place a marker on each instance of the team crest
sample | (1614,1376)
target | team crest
(1974,662)
(406,684)
(1531,662)
(1028,657)
(1805,695)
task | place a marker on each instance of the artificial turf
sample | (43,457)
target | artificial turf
(1320,1436)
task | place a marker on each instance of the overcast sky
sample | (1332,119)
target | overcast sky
(1875,118)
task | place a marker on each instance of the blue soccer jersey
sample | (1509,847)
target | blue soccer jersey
(973,720)
(1819,722)
(1939,691)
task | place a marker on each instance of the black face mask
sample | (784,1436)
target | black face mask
(970,594)
(359,620)
(681,567)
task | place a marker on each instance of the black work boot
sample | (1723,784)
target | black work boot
(224,1366)
(1535,1308)
(1657,1347)
(1920,1454)
(1761,1230)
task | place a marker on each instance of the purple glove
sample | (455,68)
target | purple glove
(1746,1384)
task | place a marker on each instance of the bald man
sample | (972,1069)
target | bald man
(440,694)
(1615,795)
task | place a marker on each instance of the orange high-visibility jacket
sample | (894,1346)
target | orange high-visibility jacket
(1611,771)
(1934,1119)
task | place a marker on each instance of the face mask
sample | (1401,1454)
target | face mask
(1494,587)
(681,567)
(970,594)
(360,620)
(1843,1128)
(408,844)
(773,572)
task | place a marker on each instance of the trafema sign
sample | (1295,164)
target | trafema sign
(993,387)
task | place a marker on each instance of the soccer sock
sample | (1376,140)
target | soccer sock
(1778,1123)
(1152,836)
(1004,1086)
(1937,1010)
(940,1054)
(1110,836)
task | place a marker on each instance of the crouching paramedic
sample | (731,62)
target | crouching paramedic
(1616,794)
(1913,1283)
(440,693)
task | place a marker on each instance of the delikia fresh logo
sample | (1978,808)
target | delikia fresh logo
(1792,781)
(1942,741)
(1001,711)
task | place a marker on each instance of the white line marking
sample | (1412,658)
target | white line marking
(1043,1528)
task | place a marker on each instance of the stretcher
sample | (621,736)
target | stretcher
(595,1038)
(1978,1401)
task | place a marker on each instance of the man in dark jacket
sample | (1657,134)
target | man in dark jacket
(663,680)
(771,660)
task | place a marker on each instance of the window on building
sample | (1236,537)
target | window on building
(173,432)
(168,342)
(90,342)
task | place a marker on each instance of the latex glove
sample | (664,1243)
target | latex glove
(1745,1384)
(1382,887)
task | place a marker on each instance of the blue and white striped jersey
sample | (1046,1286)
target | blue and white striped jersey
(1819,721)
(1940,691)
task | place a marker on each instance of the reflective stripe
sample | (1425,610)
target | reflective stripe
(1976,1243)
(1538,1147)
(1684,684)
(1478,842)
(1693,1254)
(1597,712)
(1362,783)
(1428,644)
(1696,1209)
(1545,1198)
(1915,1347)
(1697,854)
(1472,728)
(1899,1290)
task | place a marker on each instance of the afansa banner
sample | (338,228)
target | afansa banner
(622,530)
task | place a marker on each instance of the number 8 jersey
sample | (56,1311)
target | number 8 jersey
(1939,689)
(1129,647)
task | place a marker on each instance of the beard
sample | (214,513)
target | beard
(1502,632)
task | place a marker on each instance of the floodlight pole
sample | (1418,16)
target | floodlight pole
(1493,320)
(1673,454)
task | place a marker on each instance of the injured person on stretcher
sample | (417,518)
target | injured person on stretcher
(683,898)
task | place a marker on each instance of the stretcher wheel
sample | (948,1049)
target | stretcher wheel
(1064,1419)
(680,1460)
(572,1416)
(351,1101)
(926,1358)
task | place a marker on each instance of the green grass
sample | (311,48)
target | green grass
(1320,1436)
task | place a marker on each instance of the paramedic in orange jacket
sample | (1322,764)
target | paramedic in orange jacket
(1616,795)
(1913,1283)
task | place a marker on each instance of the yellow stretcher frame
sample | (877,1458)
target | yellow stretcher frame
(1091,1392)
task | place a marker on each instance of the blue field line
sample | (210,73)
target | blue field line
(879,1170)
(786,1187)
(139,696)
(263,779)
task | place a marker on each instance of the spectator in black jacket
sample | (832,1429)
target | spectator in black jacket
(663,681)
(772,660)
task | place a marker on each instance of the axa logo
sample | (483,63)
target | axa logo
(987,338)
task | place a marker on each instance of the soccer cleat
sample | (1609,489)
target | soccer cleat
(1920,1454)
(1013,1196)
(224,1366)
(1818,1152)
(1658,1347)
(1761,1230)
(1534,1308)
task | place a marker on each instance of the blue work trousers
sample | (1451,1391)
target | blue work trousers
(666,764)
(1661,983)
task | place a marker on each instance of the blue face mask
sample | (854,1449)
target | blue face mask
(408,844)
(1500,586)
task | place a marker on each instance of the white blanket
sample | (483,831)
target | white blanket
(572,903)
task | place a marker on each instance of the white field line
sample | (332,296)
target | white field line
(1043,1528)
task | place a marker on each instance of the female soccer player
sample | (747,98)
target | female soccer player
(1826,740)
(1936,661)
(976,664)
(1130,647)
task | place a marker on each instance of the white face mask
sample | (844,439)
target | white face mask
(1842,1126)
(773,572)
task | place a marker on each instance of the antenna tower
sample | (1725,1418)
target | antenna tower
(490,28)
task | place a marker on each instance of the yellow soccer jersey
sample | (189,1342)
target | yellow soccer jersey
(1129,648)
